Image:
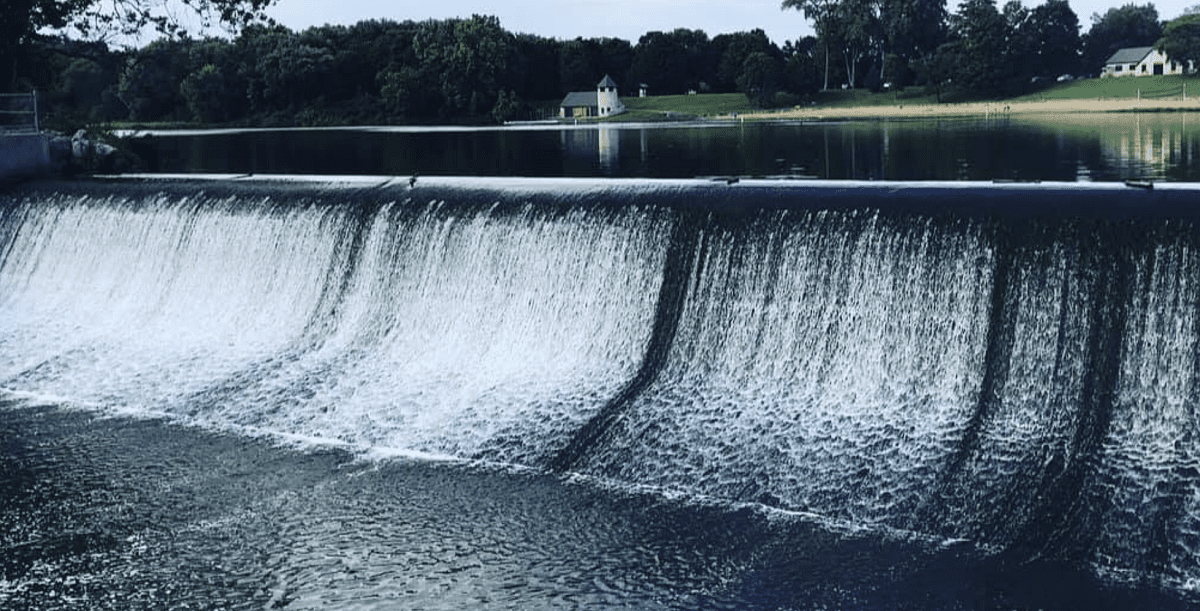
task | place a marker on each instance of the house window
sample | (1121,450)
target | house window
(1119,68)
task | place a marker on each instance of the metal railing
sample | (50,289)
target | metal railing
(19,113)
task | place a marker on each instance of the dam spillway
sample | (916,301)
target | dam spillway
(1013,366)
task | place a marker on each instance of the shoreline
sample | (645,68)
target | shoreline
(973,109)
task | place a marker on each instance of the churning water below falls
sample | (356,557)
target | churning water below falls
(574,394)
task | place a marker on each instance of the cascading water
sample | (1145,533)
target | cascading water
(126,303)
(821,363)
(482,332)
(1020,380)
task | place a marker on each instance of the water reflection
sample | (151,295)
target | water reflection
(1119,146)
(598,147)
(1065,147)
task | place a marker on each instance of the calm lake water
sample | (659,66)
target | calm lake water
(1076,147)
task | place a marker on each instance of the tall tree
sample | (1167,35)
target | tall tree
(1181,39)
(149,86)
(1131,25)
(1055,30)
(823,14)
(802,69)
(26,21)
(914,28)
(731,51)
(760,77)
(857,28)
(975,58)
(904,30)
(536,70)
(467,58)
(673,62)
(584,61)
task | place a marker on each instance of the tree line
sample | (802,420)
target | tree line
(472,70)
(983,50)
(466,70)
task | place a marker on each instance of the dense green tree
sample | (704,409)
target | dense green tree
(410,94)
(1181,39)
(998,52)
(913,28)
(83,83)
(149,85)
(979,48)
(285,70)
(361,50)
(616,60)
(801,67)
(1054,28)
(760,77)
(1019,51)
(823,14)
(21,26)
(507,106)
(584,61)
(1130,25)
(26,21)
(674,62)
(208,94)
(578,65)
(732,50)
(938,69)
(76,81)
(466,56)
(461,65)
(860,33)
(536,69)
(866,33)
(382,71)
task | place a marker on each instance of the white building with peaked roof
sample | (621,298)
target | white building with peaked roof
(1141,61)
(603,102)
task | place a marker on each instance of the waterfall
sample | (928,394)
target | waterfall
(955,363)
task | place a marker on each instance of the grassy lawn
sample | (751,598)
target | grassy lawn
(1150,87)
(700,105)
(655,108)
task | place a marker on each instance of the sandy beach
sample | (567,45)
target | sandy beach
(973,109)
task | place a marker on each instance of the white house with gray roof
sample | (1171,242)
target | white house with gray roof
(1141,61)
(603,102)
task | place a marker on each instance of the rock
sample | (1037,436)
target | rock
(81,147)
(60,149)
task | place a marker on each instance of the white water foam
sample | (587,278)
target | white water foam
(474,333)
(823,366)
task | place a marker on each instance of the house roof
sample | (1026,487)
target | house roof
(580,98)
(1129,55)
(607,82)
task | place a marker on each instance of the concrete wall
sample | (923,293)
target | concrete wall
(24,155)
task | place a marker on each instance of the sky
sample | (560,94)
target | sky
(627,19)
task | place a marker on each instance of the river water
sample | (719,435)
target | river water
(504,393)
(1072,147)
